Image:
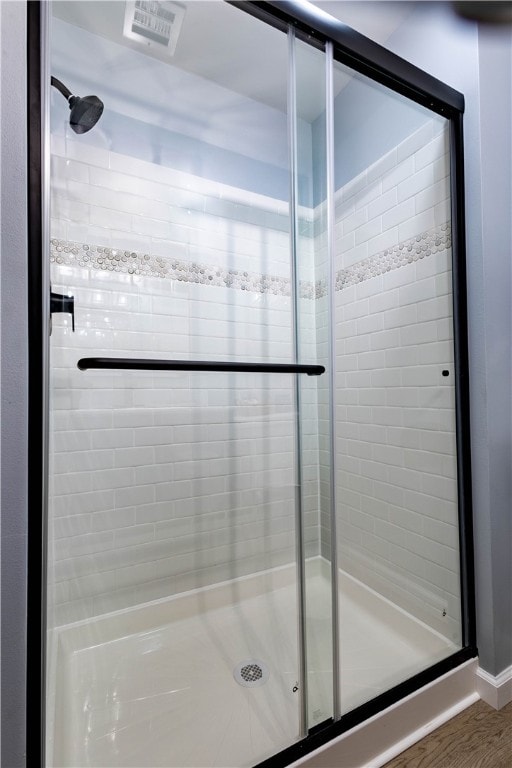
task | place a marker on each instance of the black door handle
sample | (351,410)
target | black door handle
(61,303)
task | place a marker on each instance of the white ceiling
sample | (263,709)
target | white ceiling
(219,43)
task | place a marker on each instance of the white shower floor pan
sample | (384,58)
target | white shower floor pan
(154,686)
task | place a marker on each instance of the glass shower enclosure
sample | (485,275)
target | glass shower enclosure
(254,400)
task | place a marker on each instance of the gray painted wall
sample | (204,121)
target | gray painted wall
(479,65)
(494,525)
(13,225)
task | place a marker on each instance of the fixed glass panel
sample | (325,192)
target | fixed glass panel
(173,511)
(396,487)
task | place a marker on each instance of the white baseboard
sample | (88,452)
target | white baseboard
(496,691)
(384,736)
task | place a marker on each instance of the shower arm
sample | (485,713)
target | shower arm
(61,88)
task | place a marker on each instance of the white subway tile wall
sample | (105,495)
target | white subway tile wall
(171,481)
(164,483)
(396,485)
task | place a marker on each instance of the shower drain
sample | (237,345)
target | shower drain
(251,673)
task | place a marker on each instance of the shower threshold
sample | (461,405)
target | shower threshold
(154,685)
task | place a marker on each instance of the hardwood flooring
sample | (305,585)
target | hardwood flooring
(480,737)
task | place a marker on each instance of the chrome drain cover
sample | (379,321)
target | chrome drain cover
(251,673)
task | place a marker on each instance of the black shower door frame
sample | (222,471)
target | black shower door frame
(358,52)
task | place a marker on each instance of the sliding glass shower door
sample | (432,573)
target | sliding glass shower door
(253,488)
(184,531)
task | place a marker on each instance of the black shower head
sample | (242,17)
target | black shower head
(85,110)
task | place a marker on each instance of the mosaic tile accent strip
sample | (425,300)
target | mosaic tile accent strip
(421,246)
(137,263)
(147,265)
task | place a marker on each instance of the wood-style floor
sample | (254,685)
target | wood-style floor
(480,737)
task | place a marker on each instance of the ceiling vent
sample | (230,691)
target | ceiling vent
(154,24)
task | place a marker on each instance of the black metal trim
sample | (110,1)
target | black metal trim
(141,364)
(360,53)
(462,390)
(37,327)
(325,732)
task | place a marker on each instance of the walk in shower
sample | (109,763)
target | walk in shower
(256,406)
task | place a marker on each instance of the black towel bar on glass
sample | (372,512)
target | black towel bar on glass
(141,364)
